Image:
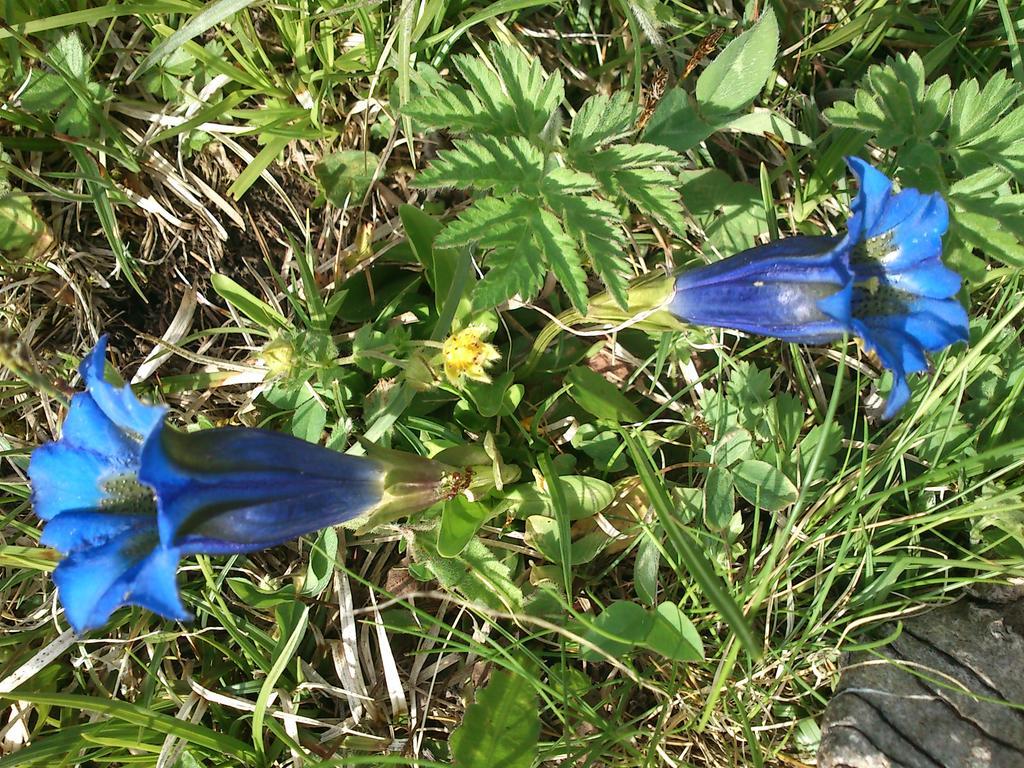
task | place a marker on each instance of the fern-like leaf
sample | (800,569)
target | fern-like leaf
(514,266)
(654,193)
(600,119)
(561,254)
(534,94)
(487,221)
(596,225)
(486,163)
(630,156)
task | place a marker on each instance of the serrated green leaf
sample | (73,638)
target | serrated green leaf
(600,119)
(735,77)
(490,219)
(451,107)
(595,224)
(562,256)
(632,156)
(973,110)
(501,728)
(565,181)
(514,268)
(486,86)
(654,193)
(534,94)
(502,165)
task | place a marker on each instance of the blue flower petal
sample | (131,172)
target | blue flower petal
(872,195)
(131,569)
(87,427)
(899,352)
(82,529)
(774,290)
(931,279)
(933,324)
(63,478)
(236,490)
(119,404)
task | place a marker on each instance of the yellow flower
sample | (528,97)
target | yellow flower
(466,355)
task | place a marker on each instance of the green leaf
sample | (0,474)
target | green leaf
(476,572)
(692,557)
(719,502)
(973,111)
(309,420)
(211,15)
(738,73)
(730,212)
(894,104)
(322,559)
(763,485)
(631,156)
(491,221)
(501,728)
(765,122)
(292,621)
(533,93)
(20,225)
(676,123)
(346,175)
(143,717)
(460,520)
(989,235)
(448,271)
(617,629)
(673,635)
(654,193)
(600,120)
(584,497)
(257,310)
(487,88)
(595,224)
(514,267)
(450,107)
(598,396)
(502,165)
(560,253)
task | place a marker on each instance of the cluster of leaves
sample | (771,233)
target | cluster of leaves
(552,204)
(724,91)
(967,142)
(63,86)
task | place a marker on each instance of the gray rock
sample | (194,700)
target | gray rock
(941,695)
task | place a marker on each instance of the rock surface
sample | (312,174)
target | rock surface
(936,697)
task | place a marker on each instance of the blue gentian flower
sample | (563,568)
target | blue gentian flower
(126,496)
(884,281)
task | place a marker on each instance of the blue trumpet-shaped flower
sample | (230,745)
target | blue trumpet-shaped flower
(884,281)
(125,496)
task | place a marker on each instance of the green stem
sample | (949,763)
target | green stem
(548,335)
